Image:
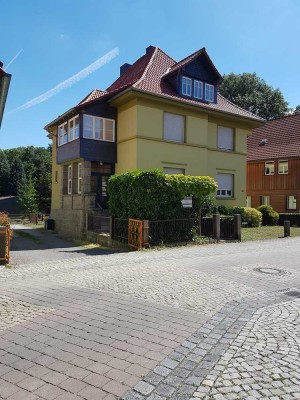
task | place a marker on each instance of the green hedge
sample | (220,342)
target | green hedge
(294,219)
(269,215)
(151,194)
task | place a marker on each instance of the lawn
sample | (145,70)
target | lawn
(266,232)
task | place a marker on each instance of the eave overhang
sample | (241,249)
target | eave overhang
(131,93)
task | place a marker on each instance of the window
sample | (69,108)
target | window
(265,200)
(225,138)
(63,134)
(283,167)
(69,179)
(73,128)
(186,86)
(56,177)
(269,168)
(248,201)
(291,203)
(225,185)
(173,127)
(174,171)
(198,89)
(98,128)
(79,177)
(209,92)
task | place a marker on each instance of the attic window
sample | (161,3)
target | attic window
(186,86)
(209,92)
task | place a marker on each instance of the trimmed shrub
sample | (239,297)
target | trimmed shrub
(153,195)
(294,219)
(252,216)
(269,215)
(225,210)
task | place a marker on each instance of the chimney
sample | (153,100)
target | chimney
(149,48)
(124,68)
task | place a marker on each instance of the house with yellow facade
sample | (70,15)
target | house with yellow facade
(159,113)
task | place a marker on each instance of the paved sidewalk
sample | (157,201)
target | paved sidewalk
(210,322)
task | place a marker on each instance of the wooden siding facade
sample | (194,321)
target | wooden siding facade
(277,186)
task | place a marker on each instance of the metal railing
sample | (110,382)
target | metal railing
(172,231)
(227,230)
(120,229)
(98,223)
(207,228)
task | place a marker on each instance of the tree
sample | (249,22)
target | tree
(4,174)
(253,94)
(17,177)
(297,109)
(27,198)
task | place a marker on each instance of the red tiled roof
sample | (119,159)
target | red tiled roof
(149,74)
(282,139)
(95,94)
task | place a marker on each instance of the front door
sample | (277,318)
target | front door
(102,197)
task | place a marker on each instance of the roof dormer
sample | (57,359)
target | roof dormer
(196,77)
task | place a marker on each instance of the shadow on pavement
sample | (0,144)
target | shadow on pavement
(37,245)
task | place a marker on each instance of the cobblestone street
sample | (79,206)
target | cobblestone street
(207,322)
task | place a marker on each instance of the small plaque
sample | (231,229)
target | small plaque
(187,202)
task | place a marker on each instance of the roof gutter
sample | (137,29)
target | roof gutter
(253,121)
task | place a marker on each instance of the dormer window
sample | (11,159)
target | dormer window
(186,86)
(198,89)
(209,92)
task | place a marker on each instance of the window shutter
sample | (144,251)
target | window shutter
(174,127)
(225,138)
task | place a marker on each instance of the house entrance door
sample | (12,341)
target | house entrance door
(102,196)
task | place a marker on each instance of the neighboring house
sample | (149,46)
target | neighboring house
(273,165)
(158,114)
(4,86)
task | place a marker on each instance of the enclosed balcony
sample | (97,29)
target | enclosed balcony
(88,137)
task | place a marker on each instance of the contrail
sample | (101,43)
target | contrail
(13,59)
(72,80)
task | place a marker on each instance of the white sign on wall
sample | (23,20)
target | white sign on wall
(187,202)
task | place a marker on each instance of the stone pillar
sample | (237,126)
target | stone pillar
(216,227)
(238,227)
(287,228)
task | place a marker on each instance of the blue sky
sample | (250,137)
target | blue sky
(59,38)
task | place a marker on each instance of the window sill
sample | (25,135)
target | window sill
(225,198)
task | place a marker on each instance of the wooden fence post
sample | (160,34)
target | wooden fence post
(238,227)
(216,227)
(145,232)
(286,228)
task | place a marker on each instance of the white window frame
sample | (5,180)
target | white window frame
(291,202)
(174,171)
(225,138)
(248,201)
(104,121)
(62,133)
(269,168)
(167,134)
(70,173)
(226,192)
(209,92)
(75,131)
(198,86)
(283,167)
(79,181)
(186,86)
(265,200)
